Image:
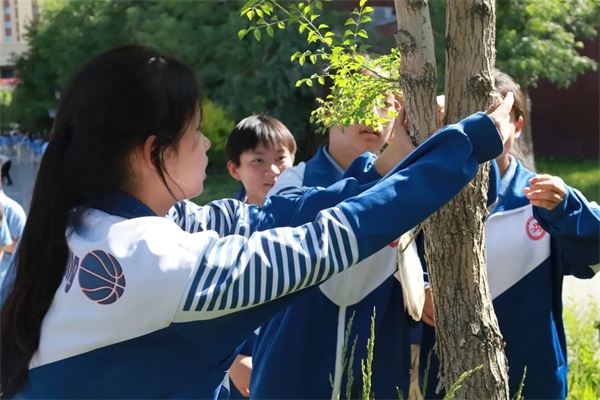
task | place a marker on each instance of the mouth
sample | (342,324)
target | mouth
(369,132)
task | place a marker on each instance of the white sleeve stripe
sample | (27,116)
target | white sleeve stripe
(275,281)
(352,248)
(220,294)
(236,272)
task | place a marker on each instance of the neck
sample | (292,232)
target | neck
(152,200)
(342,156)
(503,163)
(256,200)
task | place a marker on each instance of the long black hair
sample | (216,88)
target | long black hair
(108,108)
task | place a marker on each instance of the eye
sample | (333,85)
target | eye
(282,158)
(257,161)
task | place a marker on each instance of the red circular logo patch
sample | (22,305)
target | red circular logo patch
(534,230)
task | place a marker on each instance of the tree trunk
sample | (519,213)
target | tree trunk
(418,76)
(467,330)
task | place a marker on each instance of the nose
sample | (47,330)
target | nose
(274,170)
(206,142)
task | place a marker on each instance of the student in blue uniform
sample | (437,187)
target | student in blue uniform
(553,231)
(110,299)
(314,326)
(259,149)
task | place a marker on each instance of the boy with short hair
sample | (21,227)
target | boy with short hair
(259,149)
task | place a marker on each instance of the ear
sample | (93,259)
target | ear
(518,127)
(233,170)
(140,158)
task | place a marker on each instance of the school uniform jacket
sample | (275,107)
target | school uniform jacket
(529,251)
(299,353)
(157,308)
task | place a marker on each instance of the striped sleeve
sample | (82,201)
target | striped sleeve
(225,217)
(235,273)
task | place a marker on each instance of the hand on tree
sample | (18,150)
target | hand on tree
(501,116)
(428,308)
(546,191)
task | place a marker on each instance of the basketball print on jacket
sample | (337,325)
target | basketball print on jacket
(101,277)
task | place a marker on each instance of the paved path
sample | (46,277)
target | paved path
(24,172)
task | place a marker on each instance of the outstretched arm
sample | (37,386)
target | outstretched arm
(572,221)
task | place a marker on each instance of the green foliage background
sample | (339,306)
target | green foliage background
(535,39)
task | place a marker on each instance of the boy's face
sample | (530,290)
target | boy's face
(259,168)
(360,138)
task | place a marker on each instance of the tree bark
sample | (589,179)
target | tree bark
(467,330)
(418,75)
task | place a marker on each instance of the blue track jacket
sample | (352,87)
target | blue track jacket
(152,307)
(529,251)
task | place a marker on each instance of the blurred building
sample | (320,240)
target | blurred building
(16,17)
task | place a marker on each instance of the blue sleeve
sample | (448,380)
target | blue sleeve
(16,221)
(423,182)
(249,344)
(232,217)
(5,238)
(575,228)
(363,169)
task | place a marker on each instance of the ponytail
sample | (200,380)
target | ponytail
(112,105)
(41,261)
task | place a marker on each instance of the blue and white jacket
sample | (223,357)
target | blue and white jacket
(298,354)
(157,308)
(529,251)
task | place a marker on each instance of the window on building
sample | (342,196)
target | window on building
(8,38)
(6,10)
(7,25)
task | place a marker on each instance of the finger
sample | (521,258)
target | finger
(504,108)
(549,187)
(428,320)
(544,195)
(548,182)
(541,177)
(544,204)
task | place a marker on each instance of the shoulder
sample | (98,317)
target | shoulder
(289,179)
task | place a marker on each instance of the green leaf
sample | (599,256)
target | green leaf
(257,34)
(309,83)
(323,26)
(260,13)
(368,10)
(313,59)
(350,21)
(270,31)
(362,3)
(363,33)
(321,80)
(242,33)
(319,5)
(250,15)
(281,25)
(365,19)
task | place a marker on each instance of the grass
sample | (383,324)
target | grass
(580,174)
(583,347)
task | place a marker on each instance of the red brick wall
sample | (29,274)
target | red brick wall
(566,122)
